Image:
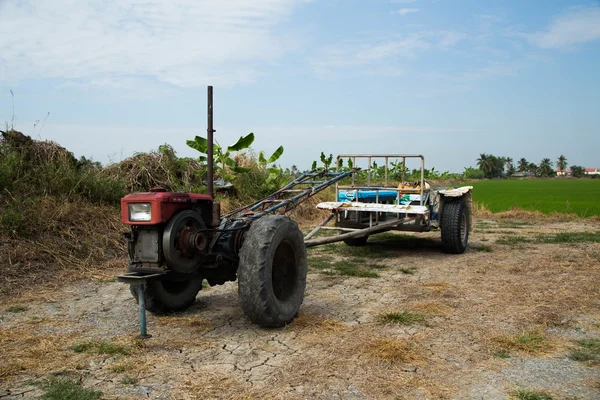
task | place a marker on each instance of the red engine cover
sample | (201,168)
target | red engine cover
(162,204)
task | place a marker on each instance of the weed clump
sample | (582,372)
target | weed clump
(588,351)
(402,318)
(67,389)
(531,395)
(101,347)
(529,341)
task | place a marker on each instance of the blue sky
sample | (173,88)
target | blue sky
(448,79)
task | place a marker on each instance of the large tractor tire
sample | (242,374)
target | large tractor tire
(164,296)
(357,242)
(272,271)
(454,225)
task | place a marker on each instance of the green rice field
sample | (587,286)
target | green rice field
(576,196)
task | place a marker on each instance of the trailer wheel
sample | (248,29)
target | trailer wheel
(272,271)
(357,242)
(454,225)
(164,296)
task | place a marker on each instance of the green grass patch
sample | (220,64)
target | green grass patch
(502,354)
(66,389)
(577,196)
(569,237)
(101,347)
(483,248)
(117,368)
(530,341)
(588,351)
(402,318)
(17,309)
(348,267)
(558,238)
(128,380)
(514,224)
(368,251)
(513,240)
(531,395)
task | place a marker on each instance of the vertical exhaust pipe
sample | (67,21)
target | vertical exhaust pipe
(210,131)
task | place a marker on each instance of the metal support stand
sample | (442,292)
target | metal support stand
(141,280)
(141,290)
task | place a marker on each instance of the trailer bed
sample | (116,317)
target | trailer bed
(374,207)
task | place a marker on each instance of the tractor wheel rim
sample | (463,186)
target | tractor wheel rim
(284,271)
(463,227)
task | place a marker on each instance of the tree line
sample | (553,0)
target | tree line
(497,167)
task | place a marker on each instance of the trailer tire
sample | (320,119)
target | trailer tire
(357,242)
(165,296)
(454,225)
(272,271)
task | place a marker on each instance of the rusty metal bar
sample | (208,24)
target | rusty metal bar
(209,133)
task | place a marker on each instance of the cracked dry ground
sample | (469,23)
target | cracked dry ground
(471,305)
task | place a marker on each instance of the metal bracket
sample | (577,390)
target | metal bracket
(141,280)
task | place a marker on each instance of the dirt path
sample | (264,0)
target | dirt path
(497,319)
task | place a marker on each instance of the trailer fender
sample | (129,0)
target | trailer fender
(442,196)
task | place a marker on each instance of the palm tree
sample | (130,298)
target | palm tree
(532,168)
(523,165)
(561,163)
(510,169)
(486,164)
(546,167)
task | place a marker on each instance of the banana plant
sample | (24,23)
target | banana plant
(326,160)
(222,158)
(274,171)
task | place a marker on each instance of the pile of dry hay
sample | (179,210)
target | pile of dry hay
(49,230)
(36,152)
(161,168)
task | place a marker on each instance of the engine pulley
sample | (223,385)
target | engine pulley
(181,243)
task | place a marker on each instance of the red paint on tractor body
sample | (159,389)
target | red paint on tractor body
(162,204)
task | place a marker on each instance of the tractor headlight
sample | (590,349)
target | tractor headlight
(140,212)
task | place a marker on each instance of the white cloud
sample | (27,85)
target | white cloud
(380,56)
(450,39)
(183,43)
(580,25)
(364,57)
(404,11)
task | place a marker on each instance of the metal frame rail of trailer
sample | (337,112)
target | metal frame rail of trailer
(358,219)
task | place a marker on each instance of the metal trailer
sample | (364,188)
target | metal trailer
(361,210)
(178,240)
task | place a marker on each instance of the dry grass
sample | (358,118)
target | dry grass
(310,323)
(27,350)
(432,307)
(160,168)
(393,351)
(211,385)
(80,241)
